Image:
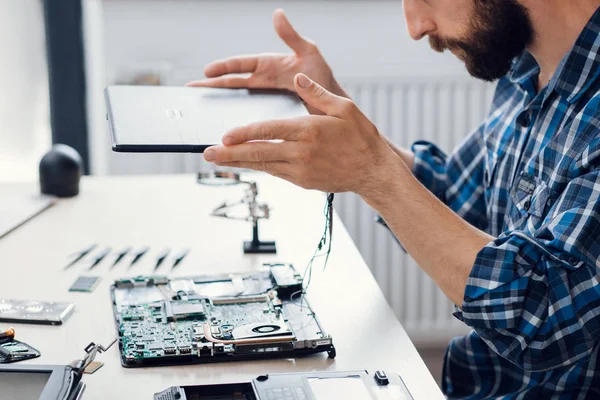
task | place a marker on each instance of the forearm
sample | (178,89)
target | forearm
(406,155)
(442,243)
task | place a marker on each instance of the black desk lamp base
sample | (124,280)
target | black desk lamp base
(256,246)
(260,248)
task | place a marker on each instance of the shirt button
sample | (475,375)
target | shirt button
(573,260)
(525,119)
(527,204)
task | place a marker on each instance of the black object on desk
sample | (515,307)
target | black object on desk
(60,171)
(257,246)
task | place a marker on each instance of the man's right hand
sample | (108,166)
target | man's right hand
(274,71)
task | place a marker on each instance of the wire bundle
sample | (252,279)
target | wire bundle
(324,247)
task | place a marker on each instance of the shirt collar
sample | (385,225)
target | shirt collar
(576,72)
(524,68)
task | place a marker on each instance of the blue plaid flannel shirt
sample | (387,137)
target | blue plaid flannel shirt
(530,176)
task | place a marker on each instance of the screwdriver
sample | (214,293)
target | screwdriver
(161,257)
(139,254)
(81,254)
(121,255)
(99,257)
(180,257)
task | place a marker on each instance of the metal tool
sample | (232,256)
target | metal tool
(80,255)
(180,256)
(99,257)
(120,255)
(139,254)
(256,209)
(160,258)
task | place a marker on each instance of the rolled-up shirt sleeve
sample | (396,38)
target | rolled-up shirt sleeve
(457,180)
(430,168)
(533,295)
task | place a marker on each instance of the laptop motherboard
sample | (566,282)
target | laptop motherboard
(213,318)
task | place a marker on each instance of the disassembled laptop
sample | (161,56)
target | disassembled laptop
(213,318)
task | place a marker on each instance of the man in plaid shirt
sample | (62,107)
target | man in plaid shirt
(508,226)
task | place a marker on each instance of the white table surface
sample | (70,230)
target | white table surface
(173,211)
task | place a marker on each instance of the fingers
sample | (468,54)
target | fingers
(288,34)
(232,82)
(272,168)
(285,129)
(233,65)
(280,169)
(318,97)
(249,152)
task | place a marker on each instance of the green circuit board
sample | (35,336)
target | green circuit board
(190,320)
(148,331)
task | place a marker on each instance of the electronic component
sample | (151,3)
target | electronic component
(287,280)
(187,309)
(14,351)
(381,378)
(85,284)
(56,382)
(210,318)
(35,312)
(359,385)
(28,381)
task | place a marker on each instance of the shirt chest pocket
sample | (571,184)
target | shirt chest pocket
(531,198)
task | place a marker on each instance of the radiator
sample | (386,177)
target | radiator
(439,110)
(406,110)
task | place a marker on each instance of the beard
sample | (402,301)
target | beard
(499,31)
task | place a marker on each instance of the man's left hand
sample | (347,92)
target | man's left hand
(338,152)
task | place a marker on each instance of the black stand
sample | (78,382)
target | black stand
(255,246)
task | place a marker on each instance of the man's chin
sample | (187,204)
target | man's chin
(459,53)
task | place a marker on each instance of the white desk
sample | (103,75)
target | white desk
(173,211)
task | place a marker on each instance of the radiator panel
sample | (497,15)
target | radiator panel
(440,111)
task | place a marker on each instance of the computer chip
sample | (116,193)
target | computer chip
(85,284)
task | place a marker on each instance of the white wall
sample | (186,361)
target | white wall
(359,38)
(24,102)
(176,38)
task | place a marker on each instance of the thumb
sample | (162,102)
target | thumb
(318,97)
(288,34)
